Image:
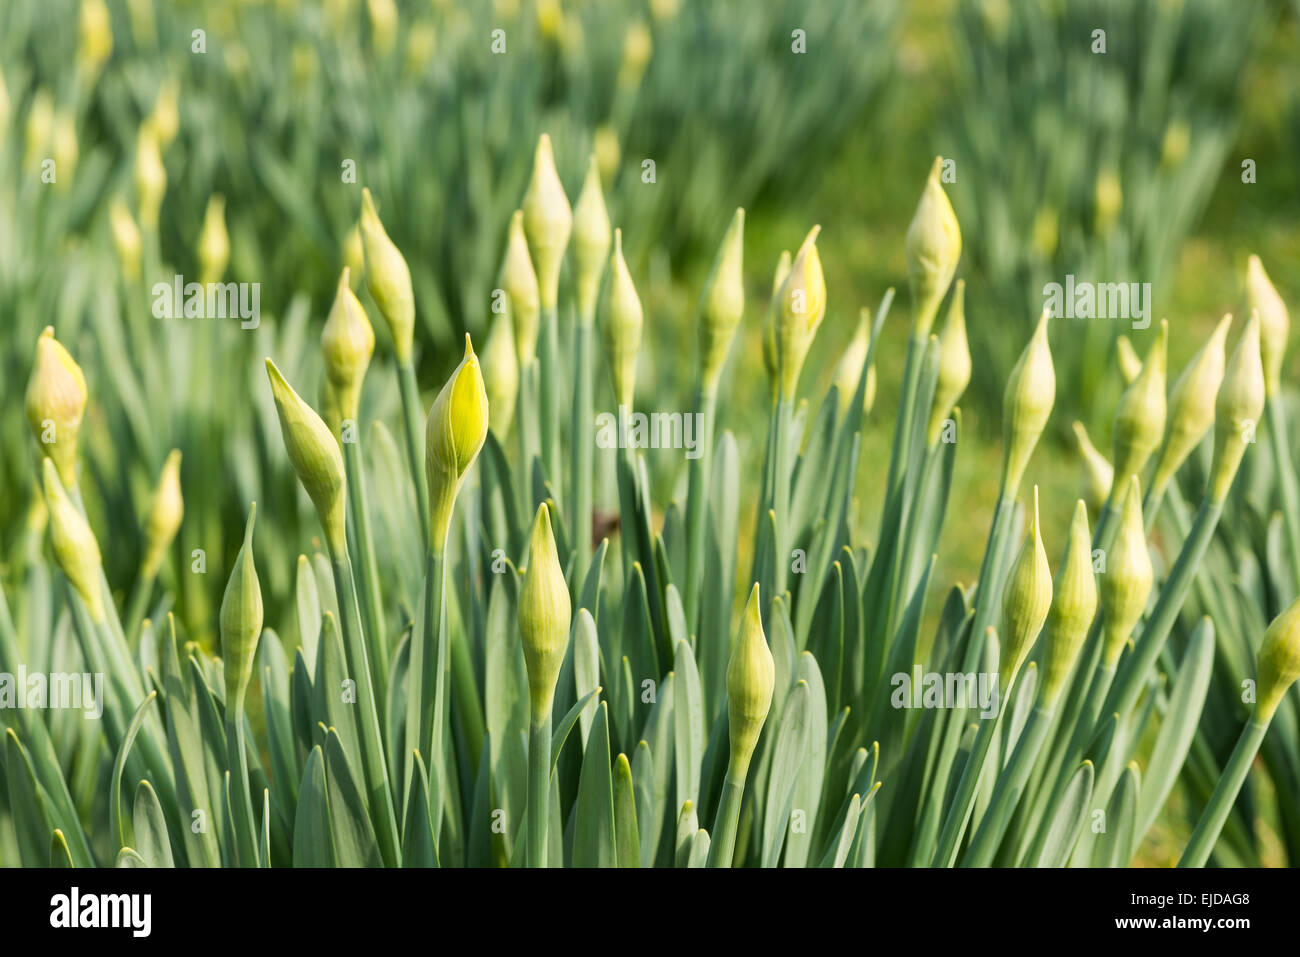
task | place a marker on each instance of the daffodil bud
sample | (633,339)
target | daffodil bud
(722,303)
(783,263)
(347,342)
(39,128)
(849,369)
(545,613)
(126,238)
(315,456)
(1262,297)
(751,679)
(1025,601)
(64,148)
(166,509)
(547,221)
(520,282)
(1098,476)
(354,256)
(150,176)
(1074,605)
(1108,201)
(389,279)
(94,37)
(932,248)
(165,118)
(604,143)
(241,620)
(591,240)
(1026,405)
(454,433)
(1126,583)
(214,241)
(1237,410)
(1130,363)
(75,547)
(954,364)
(638,46)
(501,374)
(1277,663)
(56,402)
(800,308)
(1191,405)
(1140,418)
(622,325)
(383,24)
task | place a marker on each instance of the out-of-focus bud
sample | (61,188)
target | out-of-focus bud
(501,374)
(94,37)
(622,326)
(1274,323)
(1173,148)
(241,620)
(1046,231)
(1025,601)
(769,326)
(638,46)
(848,371)
(454,433)
(347,342)
(547,222)
(56,403)
(150,177)
(1191,405)
(1098,475)
(520,283)
(1074,605)
(39,128)
(1130,363)
(383,24)
(214,241)
(1108,201)
(751,679)
(64,149)
(1026,405)
(604,144)
(166,510)
(1126,583)
(1140,418)
(932,248)
(1237,410)
(800,308)
(722,303)
(591,241)
(545,613)
(354,257)
(389,280)
(126,238)
(1277,663)
(75,548)
(954,364)
(165,119)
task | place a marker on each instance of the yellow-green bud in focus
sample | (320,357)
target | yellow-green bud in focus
(547,221)
(622,325)
(56,403)
(1127,580)
(126,238)
(751,678)
(501,374)
(150,176)
(954,364)
(166,510)
(1237,410)
(1025,602)
(1140,418)
(800,308)
(75,547)
(214,241)
(1098,476)
(1074,605)
(454,433)
(1026,405)
(347,342)
(1130,363)
(848,371)
(769,326)
(519,280)
(545,613)
(591,240)
(932,248)
(1277,663)
(1262,297)
(315,456)
(722,303)
(1191,405)
(241,620)
(389,279)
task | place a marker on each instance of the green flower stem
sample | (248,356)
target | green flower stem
(1009,788)
(1284,468)
(372,599)
(413,419)
(722,846)
(374,764)
(549,398)
(428,660)
(697,505)
(539,791)
(526,421)
(1110,512)
(469,708)
(581,440)
(139,603)
(901,452)
(781,495)
(241,801)
(1203,838)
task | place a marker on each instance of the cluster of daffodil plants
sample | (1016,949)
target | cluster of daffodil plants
(546,693)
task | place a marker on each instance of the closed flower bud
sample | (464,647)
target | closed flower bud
(1191,405)
(1237,410)
(347,342)
(165,119)
(39,128)
(1274,323)
(389,280)
(214,241)
(954,364)
(547,221)
(1108,200)
(545,613)
(1098,476)
(166,509)
(126,238)
(241,620)
(75,548)
(454,433)
(1026,405)
(769,326)
(622,325)
(1140,418)
(56,402)
(591,240)
(1126,583)
(751,678)
(354,256)
(1025,602)
(94,37)
(1074,605)
(800,308)
(315,456)
(1130,363)
(849,369)
(722,303)
(501,374)
(932,248)
(520,282)
(1277,663)
(150,176)
(64,148)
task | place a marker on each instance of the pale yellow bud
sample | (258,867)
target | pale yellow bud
(1262,297)
(56,403)
(1140,418)
(1108,201)
(1237,410)
(150,177)
(39,128)
(165,119)
(1126,583)
(1026,406)
(241,620)
(608,153)
(592,236)
(501,374)
(954,364)
(75,548)
(545,613)
(1025,601)
(1074,605)
(347,343)
(1098,475)
(166,510)
(383,24)
(64,149)
(932,248)
(1130,363)
(769,325)
(214,241)
(801,306)
(354,257)
(638,46)
(621,328)
(126,238)
(1191,405)
(1277,663)
(751,679)
(520,282)
(848,371)
(94,37)
(389,280)
(547,222)
(454,433)
(722,303)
